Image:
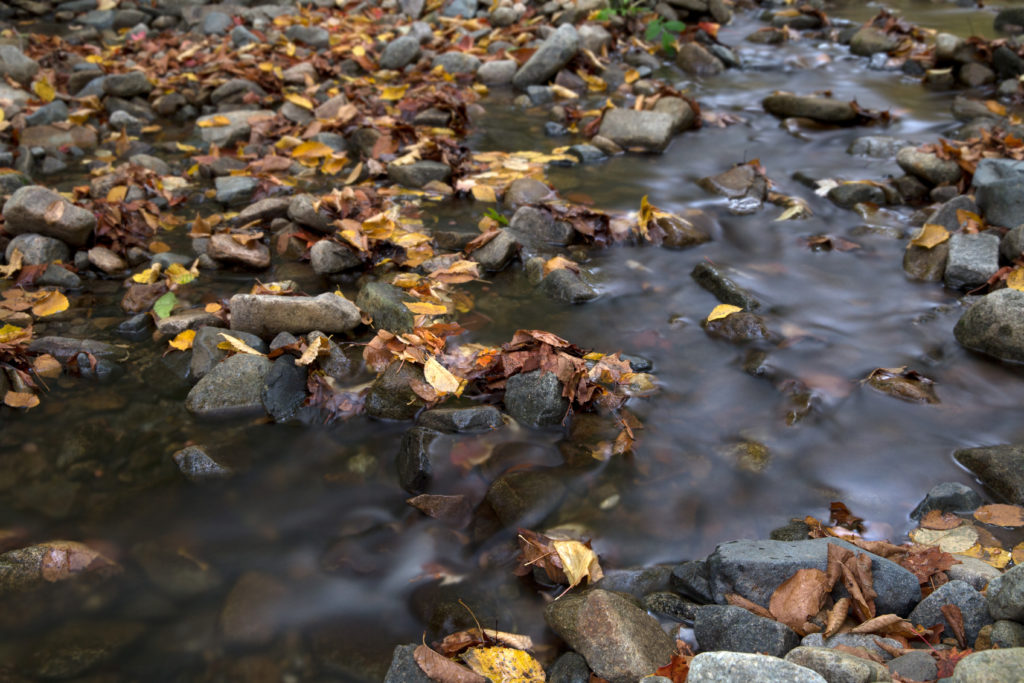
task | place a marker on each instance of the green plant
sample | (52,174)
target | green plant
(494,215)
(660,30)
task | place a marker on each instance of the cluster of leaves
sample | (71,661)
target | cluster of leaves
(480,655)
(565,561)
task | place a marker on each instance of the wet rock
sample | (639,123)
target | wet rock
(419,173)
(198,466)
(696,60)
(235,189)
(824,109)
(457,62)
(973,259)
(106,260)
(525,191)
(498,72)
(314,36)
(915,666)
(284,389)
(849,195)
(265,210)
(188,320)
(303,210)
(330,258)
(236,130)
(713,278)
(737,327)
(497,253)
(868,642)
(400,52)
(216,23)
(1007,634)
(1009,20)
(671,605)
(683,116)
(49,113)
(739,181)
(946,214)
(973,571)
(535,399)
(73,649)
(730,667)
(796,530)
(404,668)
(386,305)
(553,54)
(52,138)
(415,469)
(999,190)
(391,397)
(877,146)
(974,75)
(568,287)
(585,154)
(928,166)
(994,325)
(638,581)
(724,627)
(646,131)
(569,668)
(57,276)
(754,569)
(254,254)
(837,666)
(462,420)
(253,609)
(1006,594)
(1012,244)
(990,666)
(176,573)
(66,348)
(524,498)
(37,249)
(205,353)
(691,579)
(620,642)
(532,223)
(971,603)
(926,264)
(950,496)
(235,385)
(15,64)
(266,315)
(39,210)
(870,40)
(680,233)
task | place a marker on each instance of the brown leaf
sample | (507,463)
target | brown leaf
(926,561)
(861,652)
(442,669)
(1000,515)
(878,624)
(837,616)
(454,510)
(738,600)
(937,519)
(840,515)
(955,620)
(799,597)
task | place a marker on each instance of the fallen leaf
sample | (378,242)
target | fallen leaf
(50,304)
(443,381)
(1000,515)
(836,616)
(163,306)
(937,519)
(579,562)
(319,345)
(954,540)
(560,263)
(992,555)
(737,600)
(1018,553)
(54,211)
(1015,280)
(213,307)
(311,150)
(501,664)
(235,344)
(149,275)
(877,625)
(216,121)
(44,90)
(484,193)
(930,235)
(21,399)
(425,308)
(442,669)
(799,598)
(457,642)
(299,100)
(722,311)
(183,340)
(13,264)
(955,620)
(47,366)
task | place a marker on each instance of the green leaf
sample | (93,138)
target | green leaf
(605,14)
(652,31)
(675,26)
(494,215)
(164,305)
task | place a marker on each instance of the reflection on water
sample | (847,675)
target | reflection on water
(316,516)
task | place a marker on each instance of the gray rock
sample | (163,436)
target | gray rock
(683,116)
(224,248)
(419,173)
(412,9)
(284,389)
(648,131)
(949,496)
(303,210)
(400,52)
(216,23)
(241,36)
(497,72)
(973,571)
(198,466)
(534,224)
(525,191)
(187,320)
(971,603)
(824,109)
(999,190)
(127,85)
(868,642)
(915,666)
(1009,20)
(404,668)
(1006,634)
(48,113)
(994,325)
(106,260)
(671,605)
(620,642)
(712,278)
(459,8)
(266,315)
(236,130)
(922,263)
(235,91)
(66,348)
(314,36)
(535,399)
(57,276)
(235,385)
(946,214)
(413,462)
(264,210)
(974,75)
(391,397)
(991,666)
(43,211)
(457,62)
(330,258)
(155,164)
(754,569)
(497,253)
(235,189)
(569,668)
(836,666)
(1012,245)
(205,353)
(691,579)
(928,167)
(870,40)
(36,249)
(973,259)
(725,627)
(1006,595)
(849,195)
(567,287)
(15,64)
(586,154)
(737,667)
(593,37)
(697,60)
(73,648)
(462,420)
(877,146)
(553,54)
(386,305)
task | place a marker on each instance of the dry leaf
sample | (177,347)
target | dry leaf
(799,597)
(993,555)
(937,519)
(46,366)
(50,304)
(879,624)
(438,376)
(183,340)
(930,235)
(21,399)
(1015,280)
(440,668)
(722,311)
(484,193)
(319,345)
(212,308)
(1000,515)
(13,265)
(425,308)
(459,641)
(54,211)
(737,600)
(560,262)
(579,562)
(504,664)
(837,616)
(235,344)
(955,620)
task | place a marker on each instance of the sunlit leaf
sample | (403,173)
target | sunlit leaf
(311,150)
(579,562)
(163,306)
(44,89)
(1015,280)
(930,235)
(9,333)
(215,122)
(996,557)
(723,311)
(425,308)
(50,304)
(438,376)
(183,340)
(149,275)
(235,344)
(393,92)
(179,274)
(504,664)
(21,399)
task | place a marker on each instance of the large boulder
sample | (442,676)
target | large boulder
(994,325)
(266,314)
(43,211)
(553,54)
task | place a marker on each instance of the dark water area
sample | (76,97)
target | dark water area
(319,509)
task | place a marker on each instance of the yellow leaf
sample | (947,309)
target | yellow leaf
(52,303)
(393,92)
(334,165)
(319,345)
(9,333)
(594,83)
(578,562)
(311,150)
(235,344)
(645,216)
(359,51)
(995,107)
(187,149)
(212,308)
(484,193)
(44,90)
(14,263)
(723,311)
(180,275)
(216,121)
(158,247)
(1015,280)
(930,235)
(632,75)
(183,341)
(997,557)
(425,308)
(149,275)
(1018,553)
(438,377)
(299,100)
(504,665)
(117,193)
(560,263)
(21,399)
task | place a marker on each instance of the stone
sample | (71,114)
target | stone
(404,668)
(869,40)
(1006,634)
(241,36)
(691,579)
(127,85)
(462,420)
(236,91)
(155,164)
(284,389)
(264,210)
(254,254)
(316,37)
(198,466)
(266,314)
(754,569)
(66,348)
(302,209)
(524,498)
(216,23)
(1009,20)
(915,666)
(532,223)
(497,253)
(922,263)
(400,52)
(553,54)
(823,109)
(235,385)
(683,116)
(173,572)
(620,642)
(725,627)
(849,195)
(671,605)
(713,279)
(15,64)
(877,146)
(994,325)
(947,214)
(737,327)
(37,249)
(1006,595)
(525,191)
(971,603)
(52,112)
(457,62)
(57,276)
(252,610)
(648,131)
(236,130)
(697,60)
(332,108)
(735,667)
(535,399)
(235,189)
(40,210)
(973,571)
(869,642)
(73,648)
(205,354)
(497,72)
(391,396)
(928,167)
(999,190)
(459,8)
(949,496)
(973,259)
(991,666)
(569,668)
(106,260)
(567,287)
(386,305)
(413,462)
(594,37)
(975,75)
(586,154)
(53,138)
(330,258)
(1012,245)
(187,320)
(837,666)
(419,173)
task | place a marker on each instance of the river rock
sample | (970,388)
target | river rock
(647,131)
(303,209)
(999,190)
(870,40)
(914,666)
(869,642)
(532,223)
(106,260)
(235,385)
(671,605)
(205,353)
(413,462)
(198,466)
(949,496)
(127,85)
(680,233)
(567,287)
(462,420)
(264,210)
(419,173)
(386,305)
(973,259)
(40,210)
(535,399)
(553,54)
(724,627)
(972,606)
(316,37)
(497,253)
(456,62)
(849,195)
(683,115)
(284,389)
(37,249)
(66,348)
(15,64)
(620,641)
(1006,634)
(235,189)
(713,278)
(736,667)
(254,254)
(524,498)
(400,52)
(391,397)
(404,668)
(994,325)
(738,327)
(1009,20)
(253,609)
(754,569)
(697,60)
(877,146)
(973,571)
(497,72)
(187,320)
(922,263)
(691,579)
(991,666)
(74,648)
(236,130)
(266,314)
(330,258)
(58,276)
(569,668)
(928,167)
(837,666)
(525,191)
(1006,595)
(824,109)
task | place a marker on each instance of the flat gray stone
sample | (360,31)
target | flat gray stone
(235,385)
(824,109)
(973,259)
(649,131)
(999,190)
(740,667)
(266,315)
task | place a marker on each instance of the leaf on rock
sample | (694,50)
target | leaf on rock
(12,333)
(926,561)
(799,598)
(311,150)
(235,344)
(722,311)
(504,664)
(937,519)
(149,275)
(955,540)
(163,306)
(1000,515)
(51,303)
(1015,280)
(560,262)
(930,235)
(840,515)
(737,600)
(44,89)
(439,377)
(183,340)
(579,562)
(955,619)
(300,101)
(319,346)
(459,641)
(442,669)
(879,624)
(836,617)
(21,399)
(992,555)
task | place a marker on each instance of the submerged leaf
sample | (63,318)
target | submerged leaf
(21,399)
(1000,515)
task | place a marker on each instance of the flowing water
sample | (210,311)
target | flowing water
(93,462)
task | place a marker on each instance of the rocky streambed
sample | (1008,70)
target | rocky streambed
(336,328)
